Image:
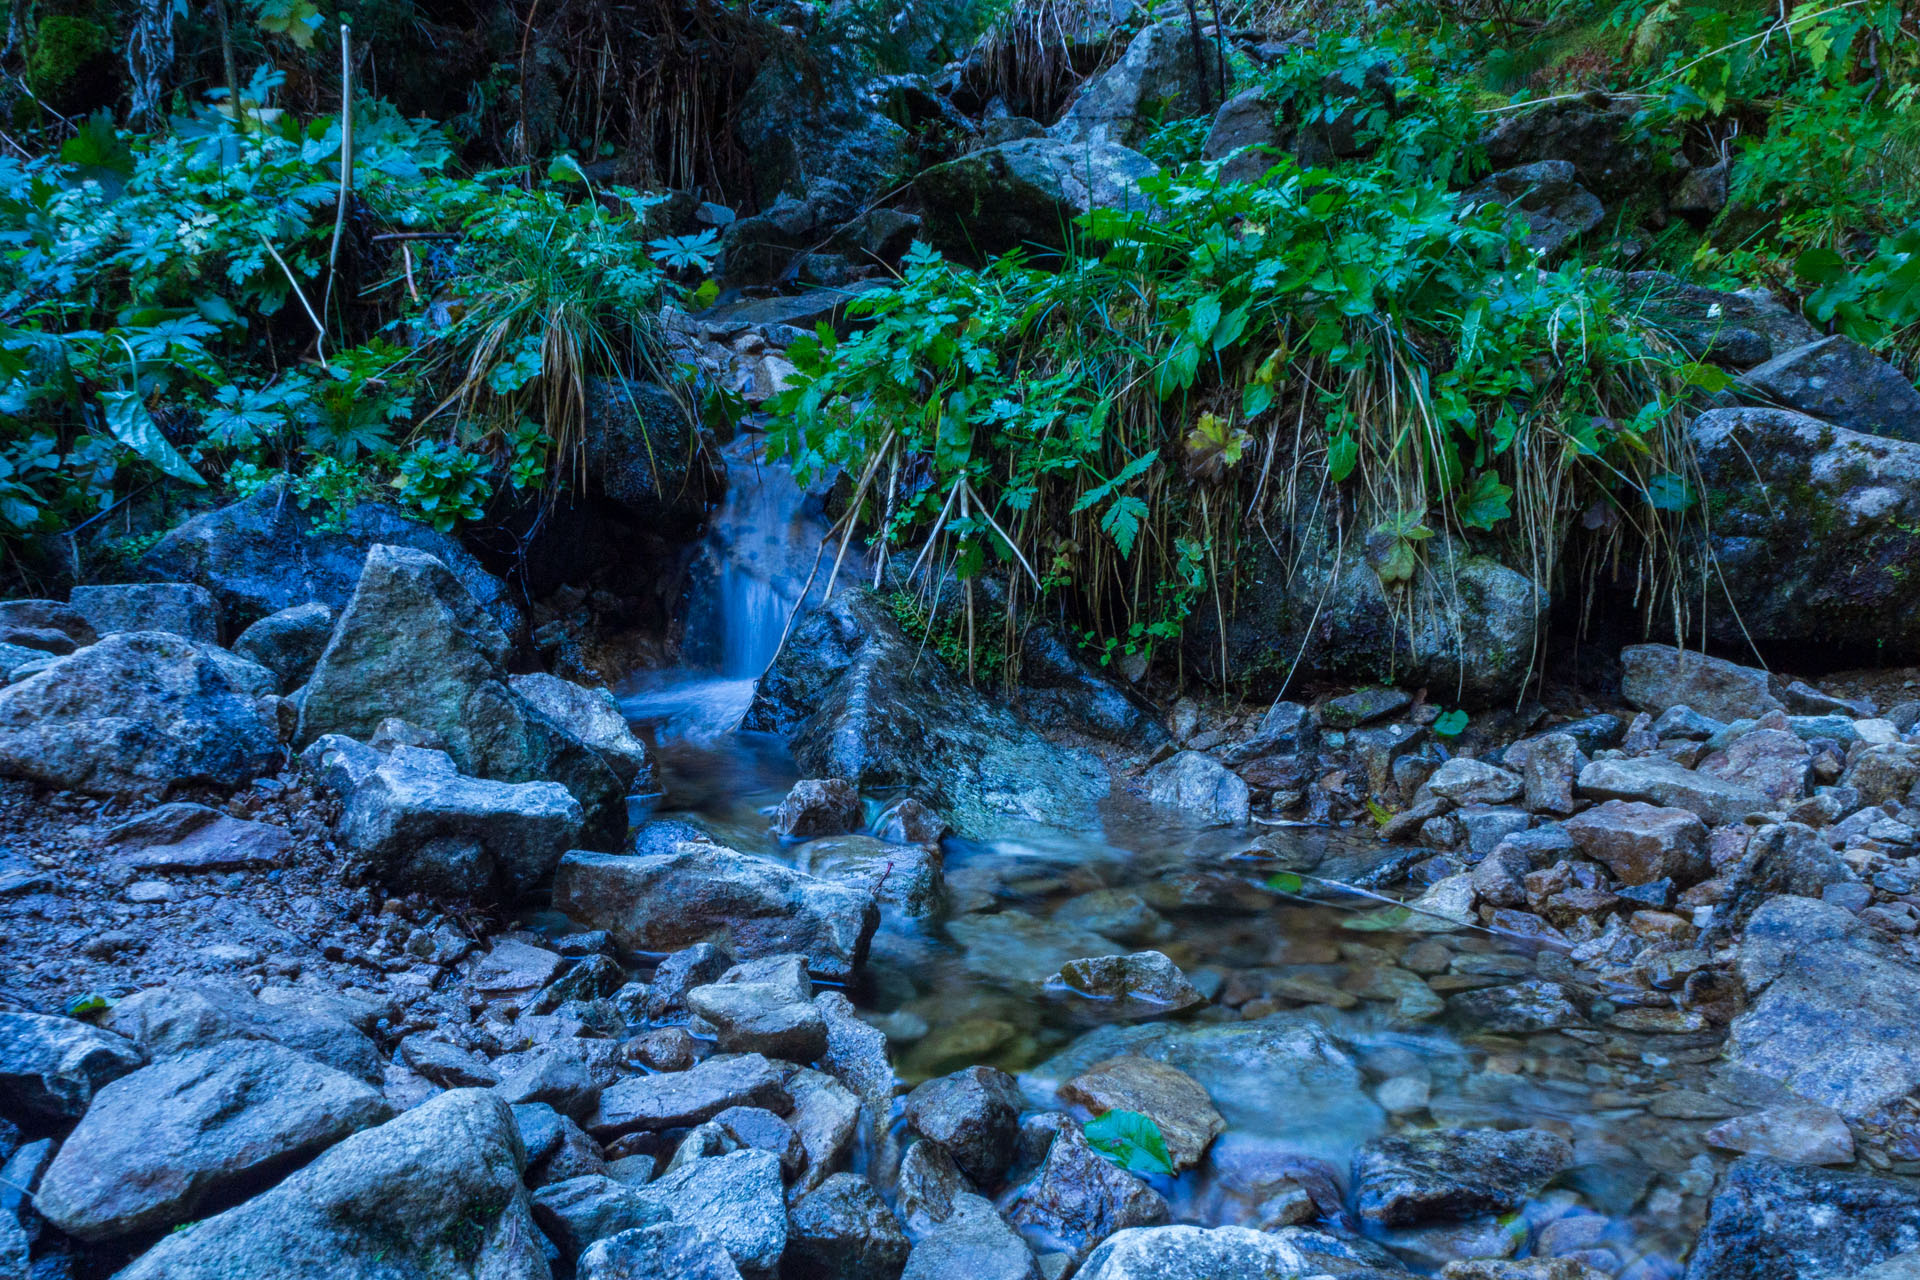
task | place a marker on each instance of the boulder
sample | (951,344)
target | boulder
(1200,786)
(681,1099)
(818,807)
(1452,1174)
(288,643)
(668,1251)
(905,879)
(1840,381)
(44,626)
(1171,1098)
(1598,138)
(971,1241)
(703,893)
(828,140)
(1077,1197)
(1061,690)
(419,826)
(413,643)
(843,1230)
(1772,1221)
(580,1211)
(1641,843)
(647,455)
(1794,1133)
(1027,192)
(855,698)
(974,1115)
(1555,207)
(1163,76)
(264,554)
(1467,781)
(764,1007)
(1780,858)
(1666,785)
(183,836)
(1245,133)
(1829,1013)
(593,717)
(183,608)
(1145,983)
(51,1068)
(735,1198)
(1774,762)
(185,1016)
(140,712)
(1199,1253)
(435,1192)
(1831,581)
(159,1146)
(1658,677)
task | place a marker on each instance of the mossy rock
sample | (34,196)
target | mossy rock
(71,63)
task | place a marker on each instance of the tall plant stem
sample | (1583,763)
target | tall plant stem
(346,163)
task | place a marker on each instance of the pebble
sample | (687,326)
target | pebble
(150,891)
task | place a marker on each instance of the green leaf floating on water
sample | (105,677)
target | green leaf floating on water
(1285,882)
(1131,1141)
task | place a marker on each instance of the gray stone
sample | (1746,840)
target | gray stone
(856,1056)
(1656,677)
(680,973)
(159,1144)
(669,1251)
(1781,858)
(1520,1008)
(1467,781)
(1772,1221)
(51,1068)
(971,1241)
(44,626)
(1792,1133)
(1641,843)
(855,698)
(435,1192)
(1162,77)
(703,893)
(183,608)
(1076,1196)
(844,1231)
(1451,1174)
(1027,191)
(826,1119)
(1556,208)
(1143,984)
(764,1007)
(1840,381)
(417,824)
(1735,329)
(140,712)
(1245,134)
(1774,762)
(818,807)
(679,1099)
(974,1114)
(905,879)
(1668,785)
(264,554)
(184,1016)
(1198,785)
(190,837)
(594,718)
(580,1211)
(449,1066)
(736,1199)
(288,643)
(1171,1098)
(1553,763)
(1199,1253)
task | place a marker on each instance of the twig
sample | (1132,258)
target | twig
(346,161)
(320,342)
(385,236)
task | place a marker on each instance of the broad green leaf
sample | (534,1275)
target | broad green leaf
(1342,456)
(133,426)
(1131,1140)
(1486,503)
(1669,492)
(1451,724)
(1285,882)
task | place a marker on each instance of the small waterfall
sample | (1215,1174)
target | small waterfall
(760,546)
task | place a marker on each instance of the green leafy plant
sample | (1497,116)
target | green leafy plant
(1131,1140)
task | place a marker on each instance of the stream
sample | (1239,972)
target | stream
(1320,1031)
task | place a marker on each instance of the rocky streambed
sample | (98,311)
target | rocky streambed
(336,942)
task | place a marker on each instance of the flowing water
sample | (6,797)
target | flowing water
(1318,1035)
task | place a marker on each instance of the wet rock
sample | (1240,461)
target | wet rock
(448,1065)
(818,807)
(764,1007)
(680,973)
(159,1144)
(668,1251)
(1199,785)
(1171,1098)
(852,702)
(1781,858)
(1663,783)
(264,554)
(1447,1174)
(826,1118)
(905,879)
(1791,1133)
(580,1211)
(844,1231)
(1656,677)
(736,1199)
(1143,983)
(594,718)
(1843,592)
(1061,690)
(183,608)
(554,1074)
(911,822)
(191,837)
(1773,762)
(288,643)
(413,643)
(856,1056)
(434,1192)
(140,712)
(703,893)
(1120,914)
(680,1099)
(1772,1221)
(417,824)
(184,1016)
(1641,843)
(1520,1008)
(44,626)
(1553,762)
(1840,381)
(51,1068)
(971,1241)
(1830,1012)
(1556,209)
(974,1114)
(1076,1196)
(645,456)
(1198,1253)
(926,1185)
